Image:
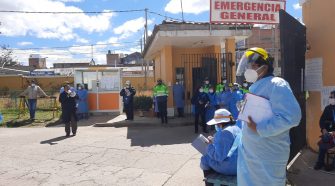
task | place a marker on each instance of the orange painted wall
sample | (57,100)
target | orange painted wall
(320,38)
(138,82)
(107,101)
(21,82)
(169,58)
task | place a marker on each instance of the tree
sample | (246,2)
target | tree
(6,56)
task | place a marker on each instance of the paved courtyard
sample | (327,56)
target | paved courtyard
(99,156)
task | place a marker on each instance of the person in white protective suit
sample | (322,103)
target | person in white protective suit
(265,146)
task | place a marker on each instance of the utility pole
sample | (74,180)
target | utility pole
(146,25)
(92,60)
(141,46)
(144,40)
(182,10)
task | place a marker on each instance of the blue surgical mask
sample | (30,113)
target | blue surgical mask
(217,128)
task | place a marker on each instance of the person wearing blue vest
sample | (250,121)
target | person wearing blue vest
(161,93)
(265,146)
(222,153)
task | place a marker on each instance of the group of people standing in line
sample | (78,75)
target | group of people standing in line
(208,98)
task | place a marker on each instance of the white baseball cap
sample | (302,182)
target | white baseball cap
(221,116)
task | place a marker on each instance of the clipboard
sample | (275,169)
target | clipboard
(257,107)
(201,143)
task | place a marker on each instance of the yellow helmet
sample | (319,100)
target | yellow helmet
(252,55)
(256,50)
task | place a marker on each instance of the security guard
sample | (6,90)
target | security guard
(161,93)
(128,94)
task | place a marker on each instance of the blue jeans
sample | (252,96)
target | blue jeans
(32,107)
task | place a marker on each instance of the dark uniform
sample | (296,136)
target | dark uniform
(128,94)
(69,112)
(327,122)
(200,100)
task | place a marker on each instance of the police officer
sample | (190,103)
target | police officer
(206,85)
(200,100)
(128,93)
(161,93)
(220,87)
(245,88)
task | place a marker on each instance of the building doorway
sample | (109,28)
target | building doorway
(198,66)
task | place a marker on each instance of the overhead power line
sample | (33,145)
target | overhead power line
(161,15)
(88,12)
(74,46)
(73,12)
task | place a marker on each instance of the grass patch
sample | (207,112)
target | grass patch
(11,118)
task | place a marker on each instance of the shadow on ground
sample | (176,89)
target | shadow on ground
(302,172)
(54,140)
(149,136)
(19,123)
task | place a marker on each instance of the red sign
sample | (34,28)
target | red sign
(246,11)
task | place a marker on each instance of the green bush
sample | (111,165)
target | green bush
(143,103)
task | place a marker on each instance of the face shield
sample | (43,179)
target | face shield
(245,62)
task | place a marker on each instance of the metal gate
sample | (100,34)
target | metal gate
(198,66)
(293,48)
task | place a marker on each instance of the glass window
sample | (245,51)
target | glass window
(109,81)
(180,75)
(89,79)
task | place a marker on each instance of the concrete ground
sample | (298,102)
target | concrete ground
(302,172)
(141,152)
(99,156)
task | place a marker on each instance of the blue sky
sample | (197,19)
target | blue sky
(119,32)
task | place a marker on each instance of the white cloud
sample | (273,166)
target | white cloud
(24,43)
(297,6)
(76,54)
(60,26)
(75,1)
(189,6)
(130,27)
(82,40)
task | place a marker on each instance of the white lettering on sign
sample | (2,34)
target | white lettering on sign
(246,11)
